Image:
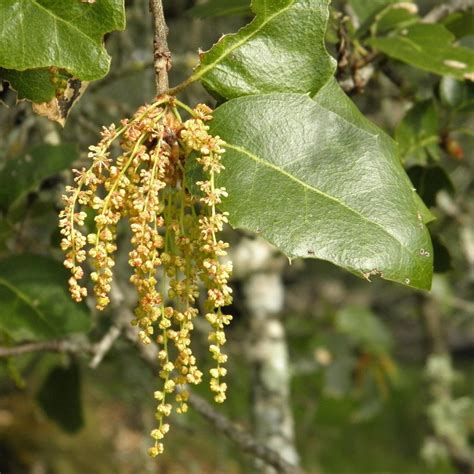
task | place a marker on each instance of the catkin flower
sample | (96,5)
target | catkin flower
(173,236)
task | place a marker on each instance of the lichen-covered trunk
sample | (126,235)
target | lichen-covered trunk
(268,354)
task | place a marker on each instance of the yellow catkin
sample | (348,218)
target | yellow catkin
(174,240)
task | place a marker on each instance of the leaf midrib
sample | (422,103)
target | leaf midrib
(24,298)
(201,72)
(318,191)
(62,20)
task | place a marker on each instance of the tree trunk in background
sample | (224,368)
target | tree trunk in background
(268,350)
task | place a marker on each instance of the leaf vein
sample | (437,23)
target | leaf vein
(318,191)
(201,72)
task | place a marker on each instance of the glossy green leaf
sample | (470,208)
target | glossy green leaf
(317,180)
(34,300)
(334,99)
(66,35)
(418,133)
(281,50)
(24,173)
(214,8)
(429,47)
(60,397)
(40,37)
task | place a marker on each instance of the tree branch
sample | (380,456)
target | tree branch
(104,345)
(242,438)
(161,53)
(63,346)
(439,12)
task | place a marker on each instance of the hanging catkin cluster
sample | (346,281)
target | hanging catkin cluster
(174,237)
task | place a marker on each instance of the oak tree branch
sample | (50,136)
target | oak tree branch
(62,346)
(161,53)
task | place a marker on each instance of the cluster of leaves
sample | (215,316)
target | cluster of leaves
(334,188)
(365,218)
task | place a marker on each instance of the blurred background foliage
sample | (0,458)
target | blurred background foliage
(381,376)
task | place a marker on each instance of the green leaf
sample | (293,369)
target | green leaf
(394,16)
(365,10)
(364,328)
(34,300)
(33,84)
(418,133)
(428,47)
(214,8)
(42,40)
(460,23)
(24,173)
(317,180)
(281,50)
(334,99)
(66,35)
(60,397)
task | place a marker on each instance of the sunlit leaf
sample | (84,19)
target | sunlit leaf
(281,50)
(319,181)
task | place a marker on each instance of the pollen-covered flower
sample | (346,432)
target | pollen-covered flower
(173,236)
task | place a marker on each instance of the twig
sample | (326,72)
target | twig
(439,12)
(104,345)
(161,53)
(63,346)
(242,438)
